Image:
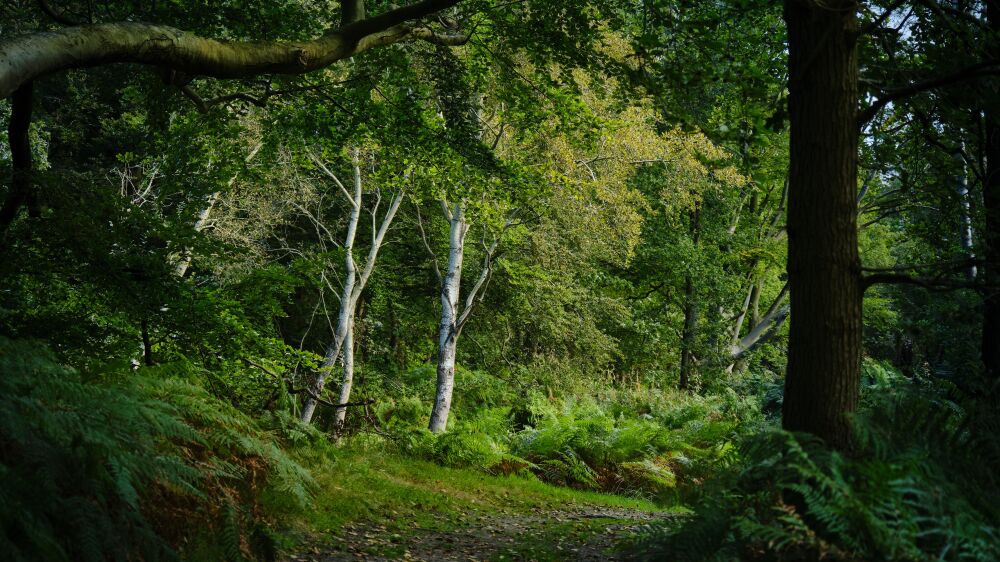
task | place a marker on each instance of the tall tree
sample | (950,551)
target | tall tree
(454,314)
(353,284)
(824,269)
(991,204)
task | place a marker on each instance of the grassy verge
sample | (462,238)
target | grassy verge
(375,493)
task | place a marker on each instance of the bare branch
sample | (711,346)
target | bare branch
(971,72)
(929,283)
(332,176)
(877,22)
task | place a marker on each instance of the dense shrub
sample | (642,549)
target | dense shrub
(134,469)
(921,485)
(641,443)
(649,454)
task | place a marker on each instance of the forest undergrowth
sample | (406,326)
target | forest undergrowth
(686,476)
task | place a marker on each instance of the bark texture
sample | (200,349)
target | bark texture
(991,234)
(354,283)
(345,314)
(347,381)
(26,57)
(965,229)
(449,327)
(824,270)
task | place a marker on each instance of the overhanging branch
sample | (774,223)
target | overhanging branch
(26,57)
(971,72)
(929,283)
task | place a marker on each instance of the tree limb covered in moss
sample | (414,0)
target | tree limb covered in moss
(26,57)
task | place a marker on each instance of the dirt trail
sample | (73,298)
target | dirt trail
(583,533)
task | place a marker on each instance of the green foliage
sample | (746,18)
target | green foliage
(648,454)
(919,486)
(643,146)
(128,469)
(639,443)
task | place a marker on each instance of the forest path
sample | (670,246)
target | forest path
(376,506)
(584,533)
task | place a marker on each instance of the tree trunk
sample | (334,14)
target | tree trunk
(18,134)
(345,315)
(448,329)
(824,270)
(354,285)
(991,234)
(690,332)
(147,344)
(688,336)
(965,232)
(347,382)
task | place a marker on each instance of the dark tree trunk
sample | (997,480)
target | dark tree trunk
(690,313)
(18,133)
(147,344)
(351,11)
(824,270)
(690,329)
(991,234)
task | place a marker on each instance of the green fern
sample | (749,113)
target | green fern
(122,471)
(919,488)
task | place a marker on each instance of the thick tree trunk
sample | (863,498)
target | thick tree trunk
(18,133)
(26,57)
(824,270)
(991,234)
(351,11)
(448,330)
(447,351)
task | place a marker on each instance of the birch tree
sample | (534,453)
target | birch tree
(454,312)
(354,280)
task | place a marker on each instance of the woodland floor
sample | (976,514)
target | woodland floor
(580,533)
(432,513)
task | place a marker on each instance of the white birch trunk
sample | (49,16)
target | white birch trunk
(762,331)
(449,327)
(345,313)
(962,185)
(347,351)
(348,381)
(354,285)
